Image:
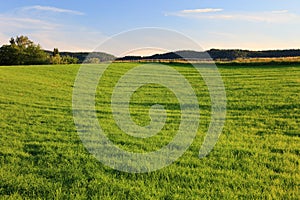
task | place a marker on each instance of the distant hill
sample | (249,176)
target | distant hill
(216,54)
(81,56)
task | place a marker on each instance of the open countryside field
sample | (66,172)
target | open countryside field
(257,155)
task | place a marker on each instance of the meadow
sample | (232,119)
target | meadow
(256,157)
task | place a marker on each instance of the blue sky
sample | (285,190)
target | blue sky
(81,25)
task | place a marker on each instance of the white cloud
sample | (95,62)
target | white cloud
(280,11)
(50,35)
(279,16)
(14,23)
(204,10)
(48,30)
(270,17)
(52,9)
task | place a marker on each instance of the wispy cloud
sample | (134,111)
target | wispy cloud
(14,23)
(204,10)
(277,16)
(49,34)
(280,11)
(268,16)
(51,31)
(52,9)
(83,40)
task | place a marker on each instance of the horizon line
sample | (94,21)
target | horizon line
(224,49)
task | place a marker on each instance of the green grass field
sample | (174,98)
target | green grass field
(256,157)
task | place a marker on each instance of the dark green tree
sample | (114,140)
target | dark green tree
(9,55)
(22,51)
(12,41)
(34,55)
(55,52)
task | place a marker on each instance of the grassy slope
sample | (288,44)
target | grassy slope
(257,156)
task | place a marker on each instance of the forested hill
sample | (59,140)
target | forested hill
(218,54)
(85,56)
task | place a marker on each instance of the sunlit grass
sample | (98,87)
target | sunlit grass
(257,156)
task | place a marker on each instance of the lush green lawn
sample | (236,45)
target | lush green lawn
(257,156)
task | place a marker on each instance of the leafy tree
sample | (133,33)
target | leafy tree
(8,55)
(55,52)
(23,41)
(22,51)
(35,55)
(12,41)
(69,60)
(57,59)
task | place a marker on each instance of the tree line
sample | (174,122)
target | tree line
(217,54)
(22,51)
